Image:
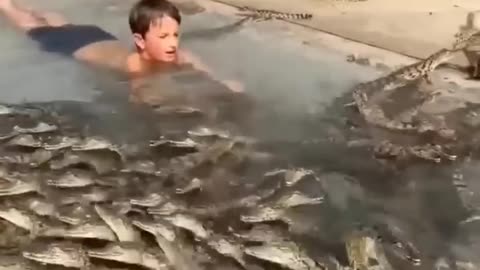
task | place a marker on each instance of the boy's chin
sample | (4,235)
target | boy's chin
(169,58)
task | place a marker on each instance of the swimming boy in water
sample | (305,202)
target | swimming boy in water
(154,25)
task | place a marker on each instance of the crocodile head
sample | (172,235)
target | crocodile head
(118,224)
(120,252)
(286,254)
(189,223)
(25,140)
(263,214)
(150,200)
(72,178)
(85,230)
(75,214)
(59,253)
(297,198)
(157,227)
(262,233)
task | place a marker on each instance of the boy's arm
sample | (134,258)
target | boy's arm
(188,57)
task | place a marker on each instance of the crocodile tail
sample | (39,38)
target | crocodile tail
(295,16)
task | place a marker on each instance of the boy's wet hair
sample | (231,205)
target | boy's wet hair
(145,12)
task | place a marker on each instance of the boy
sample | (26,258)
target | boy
(154,25)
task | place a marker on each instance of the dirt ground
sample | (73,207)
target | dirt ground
(409,27)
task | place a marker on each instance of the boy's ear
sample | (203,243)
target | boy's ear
(139,41)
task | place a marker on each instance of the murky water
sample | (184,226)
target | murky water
(293,85)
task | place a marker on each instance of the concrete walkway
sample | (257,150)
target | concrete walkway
(413,28)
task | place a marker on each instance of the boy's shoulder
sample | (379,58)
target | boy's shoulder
(134,63)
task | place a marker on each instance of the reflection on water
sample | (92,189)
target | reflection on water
(287,93)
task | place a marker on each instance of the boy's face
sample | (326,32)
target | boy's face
(161,41)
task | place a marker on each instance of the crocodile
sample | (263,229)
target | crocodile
(297,198)
(429,152)
(292,176)
(369,95)
(174,252)
(40,206)
(102,162)
(130,253)
(268,14)
(263,233)
(285,253)
(72,179)
(189,223)
(21,218)
(121,226)
(84,230)
(227,246)
(35,158)
(162,204)
(75,214)
(60,142)
(364,252)
(25,140)
(265,214)
(23,185)
(84,194)
(373,113)
(157,226)
(277,209)
(58,253)
(151,199)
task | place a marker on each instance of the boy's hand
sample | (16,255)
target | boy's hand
(235,86)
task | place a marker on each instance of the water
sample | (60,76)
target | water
(294,85)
